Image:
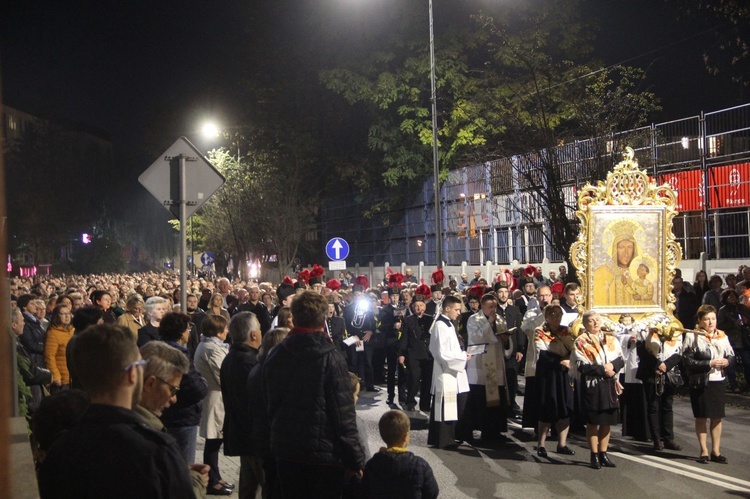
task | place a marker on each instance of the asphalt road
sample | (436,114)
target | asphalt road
(512,468)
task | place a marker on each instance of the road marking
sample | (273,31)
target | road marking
(664,465)
(703,471)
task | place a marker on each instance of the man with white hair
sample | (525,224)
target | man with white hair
(245,332)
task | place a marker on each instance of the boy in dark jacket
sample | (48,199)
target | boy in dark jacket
(395,472)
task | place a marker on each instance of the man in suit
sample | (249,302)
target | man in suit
(512,317)
(526,300)
(336,328)
(254,305)
(414,353)
(390,327)
(433,306)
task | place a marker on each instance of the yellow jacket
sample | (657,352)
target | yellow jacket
(128,320)
(54,353)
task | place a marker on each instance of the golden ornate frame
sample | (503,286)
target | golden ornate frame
(628,191)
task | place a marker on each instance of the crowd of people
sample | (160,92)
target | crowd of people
(114,368)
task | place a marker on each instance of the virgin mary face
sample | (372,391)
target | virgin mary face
(625,253)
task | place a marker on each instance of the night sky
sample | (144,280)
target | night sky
(147,72)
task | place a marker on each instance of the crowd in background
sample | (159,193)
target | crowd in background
(382,331)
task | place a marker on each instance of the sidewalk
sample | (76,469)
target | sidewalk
(229,466)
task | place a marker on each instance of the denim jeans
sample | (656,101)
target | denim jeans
(187,438)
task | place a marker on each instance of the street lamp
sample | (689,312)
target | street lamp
(435,161)
(210,130)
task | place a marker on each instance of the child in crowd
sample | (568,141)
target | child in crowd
(394,472)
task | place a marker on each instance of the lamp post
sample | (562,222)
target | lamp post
(435,160)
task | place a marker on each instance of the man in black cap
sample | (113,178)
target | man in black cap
(390,327)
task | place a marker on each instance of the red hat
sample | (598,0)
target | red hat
(424,290)
(317,271)
(362,280)
(529,271)
(396,279)
(477,291)
(558,288)
(304,276)
(438,276)
(333,285)
(287,280)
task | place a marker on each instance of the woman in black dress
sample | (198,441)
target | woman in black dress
(707,354)
(554,383)
(598,359)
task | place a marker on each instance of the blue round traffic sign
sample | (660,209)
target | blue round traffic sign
(337,249)
(207,258)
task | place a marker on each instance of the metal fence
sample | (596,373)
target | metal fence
(490,212)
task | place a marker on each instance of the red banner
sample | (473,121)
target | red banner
(689,188)
(729,186)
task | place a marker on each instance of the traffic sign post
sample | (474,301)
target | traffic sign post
(337,249)
(182,191)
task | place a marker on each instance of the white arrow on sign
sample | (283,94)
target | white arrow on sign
(338,247)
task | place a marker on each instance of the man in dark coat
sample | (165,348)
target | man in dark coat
(512,317)
(414,353)
(245,331)
(112,453)
(359,317)
(310,403)
(33,333)
(390,327)
(686,305)
(527,298)
(254,305)
(337,329)
(196,319)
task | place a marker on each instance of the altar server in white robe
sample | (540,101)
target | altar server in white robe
(450,386)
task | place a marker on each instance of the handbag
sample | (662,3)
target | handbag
(674,377)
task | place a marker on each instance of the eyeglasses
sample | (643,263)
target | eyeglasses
(174,389)
(136,363)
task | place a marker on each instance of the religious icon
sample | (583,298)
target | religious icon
(626,252)
(626,256)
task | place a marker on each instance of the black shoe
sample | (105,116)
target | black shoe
(658,445)
(595,461)
(605,460)
(718,459)
(221,491)
(703,460)
(227,485)
(389,401)
(541,452)
(566,451)
(672,445)
(411,407)
(371,389)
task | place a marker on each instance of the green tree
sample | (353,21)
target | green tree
(101,256)
(515,81)
(266,209)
